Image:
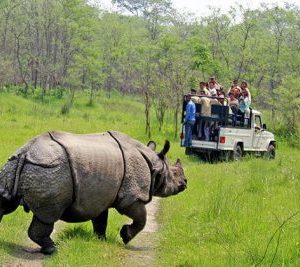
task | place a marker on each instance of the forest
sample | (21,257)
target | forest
(150,49)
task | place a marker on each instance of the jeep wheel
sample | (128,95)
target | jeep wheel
(270,153)
(237,153)
(188,151)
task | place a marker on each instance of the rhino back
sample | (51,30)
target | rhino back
(42,151)
(97,169)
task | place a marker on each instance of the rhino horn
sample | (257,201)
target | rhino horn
(152,145)
(165,150)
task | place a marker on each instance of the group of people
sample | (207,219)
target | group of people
(237,96)
(239,99)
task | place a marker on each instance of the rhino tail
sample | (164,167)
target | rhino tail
(10,176)
(21,163)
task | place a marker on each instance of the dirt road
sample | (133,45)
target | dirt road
(141,250)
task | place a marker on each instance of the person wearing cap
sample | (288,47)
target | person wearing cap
(189,121)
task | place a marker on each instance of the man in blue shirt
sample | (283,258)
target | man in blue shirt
(189,121)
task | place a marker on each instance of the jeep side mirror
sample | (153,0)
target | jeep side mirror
(265,126)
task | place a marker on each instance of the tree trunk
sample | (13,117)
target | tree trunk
(91,101)
(147,114)
(23,75)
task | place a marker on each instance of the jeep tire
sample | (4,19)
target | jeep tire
(237,153)
(270,153)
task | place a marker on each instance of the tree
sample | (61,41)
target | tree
(218,36)
(145,71)
(288,103)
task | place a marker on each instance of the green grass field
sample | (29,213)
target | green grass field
(232,214)
(235,214)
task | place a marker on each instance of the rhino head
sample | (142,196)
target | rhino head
(170,179)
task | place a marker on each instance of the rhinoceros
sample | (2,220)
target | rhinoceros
(76,178)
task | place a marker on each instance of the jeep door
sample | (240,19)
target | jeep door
(258,134)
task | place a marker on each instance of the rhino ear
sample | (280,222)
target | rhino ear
(178,163)
(165,150)
(152,145)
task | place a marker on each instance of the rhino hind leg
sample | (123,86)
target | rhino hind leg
(40,232)
(100,224)
(137,212)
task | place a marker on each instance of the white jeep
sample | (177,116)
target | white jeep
(226,136)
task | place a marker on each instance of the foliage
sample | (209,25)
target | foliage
(156,51)
(288,102)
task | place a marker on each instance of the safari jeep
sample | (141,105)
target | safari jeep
(220,134)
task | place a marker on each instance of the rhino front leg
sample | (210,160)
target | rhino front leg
(40,232)
(100,224)
(137,212)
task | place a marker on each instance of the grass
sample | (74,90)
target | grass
(78,246)
(230,213)
(226,217)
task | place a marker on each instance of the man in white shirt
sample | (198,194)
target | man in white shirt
(212,89)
